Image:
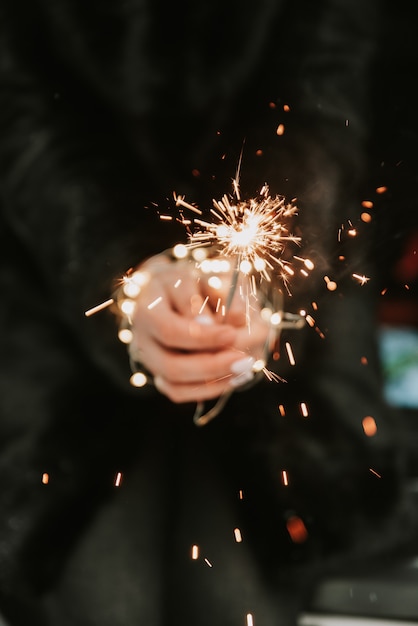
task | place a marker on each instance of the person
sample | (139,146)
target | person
(115,507)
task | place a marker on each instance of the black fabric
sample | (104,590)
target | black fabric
(106,109)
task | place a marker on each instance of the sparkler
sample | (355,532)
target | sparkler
(253,233)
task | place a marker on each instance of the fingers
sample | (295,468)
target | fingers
(194,351)
(229,375)
(171,311)
(176,283)
(252,330)
(175,332)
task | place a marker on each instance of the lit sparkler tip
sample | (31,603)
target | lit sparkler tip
(253,231)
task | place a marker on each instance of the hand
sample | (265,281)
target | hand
(193,352)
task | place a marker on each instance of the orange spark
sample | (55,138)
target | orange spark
(296,529)
(369,426)
(154,303)
(367,204)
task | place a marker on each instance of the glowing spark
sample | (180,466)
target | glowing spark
(118,479)
(181,202)
(282,410)
(290,353)
(367,204)
(195,552)
(304,409)
(205,301)
(99,307)
(241,494)
(250,621)
(310,320)
(375,473)
(154,304)
(362,279)
(369,426)
(45,478)
(237,535)
(285,478)
(272,376)
(296,529)
(208,563)
(320,333)
(331,284)
(253,231)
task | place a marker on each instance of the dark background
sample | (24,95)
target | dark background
(395,166)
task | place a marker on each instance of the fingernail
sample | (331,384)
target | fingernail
(205,320)
(243,366)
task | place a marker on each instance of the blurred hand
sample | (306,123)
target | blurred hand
(193,351)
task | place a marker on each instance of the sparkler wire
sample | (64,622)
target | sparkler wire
(201,418)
